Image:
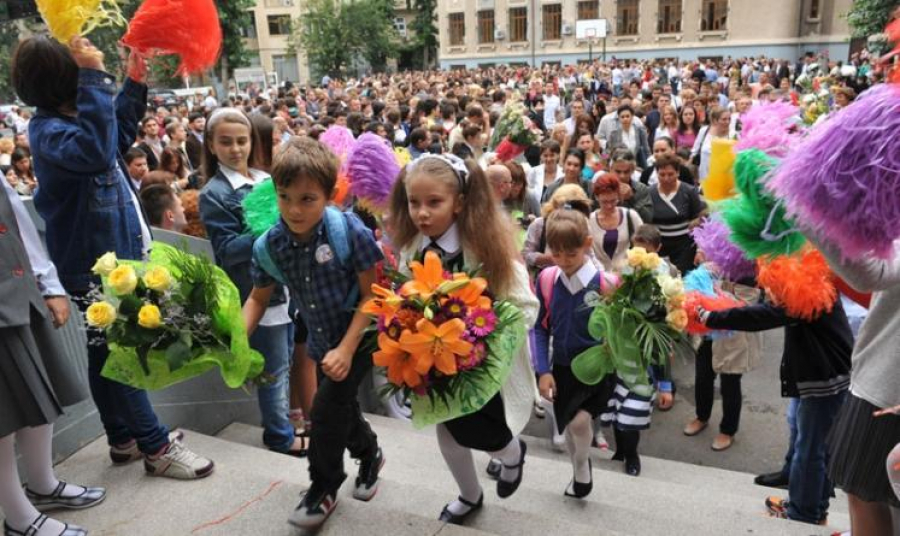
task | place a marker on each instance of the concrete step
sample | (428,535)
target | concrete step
(619,504)
(251,492)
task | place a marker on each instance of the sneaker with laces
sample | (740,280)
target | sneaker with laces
(367,479)
(131,453)
(778,508)
(179,462)
(314,508)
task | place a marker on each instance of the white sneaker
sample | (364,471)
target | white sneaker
(600,441)
(179,462)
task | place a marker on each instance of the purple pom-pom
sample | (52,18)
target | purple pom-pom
(771,128)
(372,169)
(712,236)
(843,181)
(339,140)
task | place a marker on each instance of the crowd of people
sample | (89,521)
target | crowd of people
(621,152)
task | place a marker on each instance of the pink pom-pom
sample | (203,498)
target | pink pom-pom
(339,140)
(771,128)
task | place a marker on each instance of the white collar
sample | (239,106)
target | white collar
(237,180)
(581,279)
(449,241)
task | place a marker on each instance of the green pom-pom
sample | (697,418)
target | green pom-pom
(261,208)
(750,167)
(747,221)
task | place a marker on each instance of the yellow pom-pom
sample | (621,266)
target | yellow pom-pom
(719,184)
(68,18)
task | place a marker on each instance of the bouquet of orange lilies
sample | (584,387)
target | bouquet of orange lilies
(444,341)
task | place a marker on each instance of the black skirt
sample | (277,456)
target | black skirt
(681,251)
(485,430)
(573,396)
(859,447)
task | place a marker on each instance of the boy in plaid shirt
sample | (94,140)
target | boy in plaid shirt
(323,286)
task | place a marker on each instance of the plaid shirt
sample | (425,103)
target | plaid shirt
(318,282)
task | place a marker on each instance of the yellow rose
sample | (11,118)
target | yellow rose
(677,301)
(636,257)
(149,316)
(677,319)
(158,279)
(651,261)
(670,286)
(123,280)
(105,264)
(101,314)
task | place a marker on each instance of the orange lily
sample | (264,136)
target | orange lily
(472,294)
(436,346)
(385,304)
(401,366)
(427,277)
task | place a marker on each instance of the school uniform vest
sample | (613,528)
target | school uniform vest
(18,286)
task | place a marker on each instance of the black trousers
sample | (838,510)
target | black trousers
(704,389)
(338,424)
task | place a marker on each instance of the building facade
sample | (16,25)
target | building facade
(268,37)
(533,32)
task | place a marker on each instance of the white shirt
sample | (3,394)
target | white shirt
(629,138)
(580,279)
(535,179)
(551,104)
(275,315)
(448,242)
(146,237)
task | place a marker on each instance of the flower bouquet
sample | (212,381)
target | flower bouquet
(636,325)
(444,341)
(169,320)
(513,133)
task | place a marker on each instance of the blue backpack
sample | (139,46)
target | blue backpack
(338,233)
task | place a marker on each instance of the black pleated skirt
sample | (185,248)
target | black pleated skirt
(859,447)
(573,396)
(484,430)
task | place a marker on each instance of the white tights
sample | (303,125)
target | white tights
(579,433)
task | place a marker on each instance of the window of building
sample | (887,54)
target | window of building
(287,68)
(486,26)
(249,31)
(457,29)
(589,10)
(627,13)
(551,21)
(669,17)
(715,15)
(814,9)
(518,24)
(400,26)
(279,24)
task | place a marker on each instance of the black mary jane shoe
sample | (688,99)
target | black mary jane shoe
(457,519)
(54,501)
(579,489)
(504,488)
(633,466)
(493,469)
(35,527)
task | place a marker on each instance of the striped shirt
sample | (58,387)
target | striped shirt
(672,214)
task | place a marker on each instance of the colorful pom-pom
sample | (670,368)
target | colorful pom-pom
(700,280)
(341,189)
(261,208)
(339,141)
(719,184)
(67,18)
(713,238)
(843,181)
(770,127)
(189,29)
(372,168)
(801,283)
(695,300)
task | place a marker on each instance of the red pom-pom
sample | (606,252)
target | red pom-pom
(696,300)
(508,150)
(862,298)
(187,28)
(801,283)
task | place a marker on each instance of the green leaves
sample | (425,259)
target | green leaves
(869,17)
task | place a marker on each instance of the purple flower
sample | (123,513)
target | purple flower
(482,322)
(454,308)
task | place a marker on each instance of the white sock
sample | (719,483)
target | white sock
(578,441)
(36,446)
(18,511)
(509,456)
(557,438)
(462,467)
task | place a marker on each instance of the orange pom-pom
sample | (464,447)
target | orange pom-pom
(187,28)
(341,189)
(801,283)
(696,300)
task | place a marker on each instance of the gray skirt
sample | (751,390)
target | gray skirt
(36,379)
(859,447)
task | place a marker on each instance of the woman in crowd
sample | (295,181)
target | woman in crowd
(668,124)
(573,169)
(611,226)
(631,136)
(549,171)
(21,163)
(688,128)
(719,127)
(677,208)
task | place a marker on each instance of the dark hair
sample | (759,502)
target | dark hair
(303,158)
(577,153)
(166,158)
(157,199)
(566,229)
(417,136)
(133,154)
(44,74)
(647,234)
(158,176)
(210,162)
(18,156)
(474,110)
(550,145)
(471,130)
(608,183)
(668,161)
(624,108)
(193,116)
(682,127)
(623,155)
(262,128)
(517,173)
(668,140)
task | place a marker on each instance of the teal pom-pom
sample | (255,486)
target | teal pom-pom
(261,208)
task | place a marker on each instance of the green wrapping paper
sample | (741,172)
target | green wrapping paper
(481,383)
(237,362)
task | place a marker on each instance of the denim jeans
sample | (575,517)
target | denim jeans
(792,428)
(810,489)
(276,344)
(338,424)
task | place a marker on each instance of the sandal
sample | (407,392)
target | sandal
(297,453)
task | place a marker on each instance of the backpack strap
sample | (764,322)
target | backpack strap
(546,280)
(264,257)
(338,232)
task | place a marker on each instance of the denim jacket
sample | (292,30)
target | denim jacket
(83,195)
(232,242)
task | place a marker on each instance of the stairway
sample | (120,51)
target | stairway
(253,490)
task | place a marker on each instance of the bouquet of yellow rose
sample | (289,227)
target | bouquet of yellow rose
(444,341)
(637,325)
(170,319)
